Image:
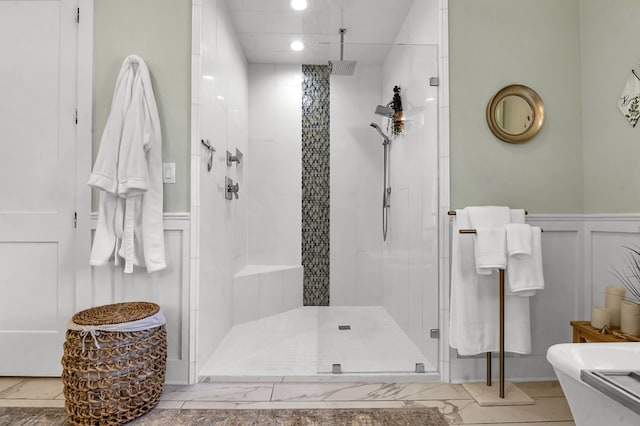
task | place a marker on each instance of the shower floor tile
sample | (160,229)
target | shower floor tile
(374,342)
(306,342)
(283,344)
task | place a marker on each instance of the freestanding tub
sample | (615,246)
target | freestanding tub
(589,405)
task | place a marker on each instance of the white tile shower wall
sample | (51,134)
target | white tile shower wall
(410,255)
(356,189)
(222,108)
(260,291)
(274,180)
(443,193)
(422,23)
(194,245)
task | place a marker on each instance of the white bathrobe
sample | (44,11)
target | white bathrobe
(128,171)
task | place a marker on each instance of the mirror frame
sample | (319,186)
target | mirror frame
(534,101)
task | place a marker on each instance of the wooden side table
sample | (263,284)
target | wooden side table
(583,332)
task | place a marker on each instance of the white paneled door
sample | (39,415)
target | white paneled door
(38,41)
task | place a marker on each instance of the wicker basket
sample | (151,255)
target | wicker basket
(121,379)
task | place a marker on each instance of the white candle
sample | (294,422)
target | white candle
(600,317)
(613,298)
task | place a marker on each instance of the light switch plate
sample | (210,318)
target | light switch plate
(169,172)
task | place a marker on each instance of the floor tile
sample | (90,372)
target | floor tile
(56,403)
(541,389)
(220,392)
(212,405)
(544,410)
(7,382)
(366,391)
(169,405)
(34,388)
(451,399)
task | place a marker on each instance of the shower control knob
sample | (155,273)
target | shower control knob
(231,189)
(234,190)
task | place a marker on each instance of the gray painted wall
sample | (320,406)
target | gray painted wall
(494,43)
(160,32)
(577,54)
(611,146)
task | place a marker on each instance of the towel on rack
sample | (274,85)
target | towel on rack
(629,101)
(489,240)
(474,324)
(524,272)
(518,237)
(489,244)
(517,215)
(489,216)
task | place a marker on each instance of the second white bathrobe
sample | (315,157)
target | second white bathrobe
(128,171)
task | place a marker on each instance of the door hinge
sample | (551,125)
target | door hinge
(75,220)
(435,333)
(434,81)
(76,116)
(77,15)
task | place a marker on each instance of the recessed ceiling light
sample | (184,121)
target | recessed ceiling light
(296,45)
(299,4)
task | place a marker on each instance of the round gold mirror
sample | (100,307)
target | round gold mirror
(515,114)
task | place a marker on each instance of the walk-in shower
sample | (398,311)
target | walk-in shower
(358,304)
(386,189)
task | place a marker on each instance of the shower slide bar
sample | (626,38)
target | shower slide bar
(386,188)
(501,290)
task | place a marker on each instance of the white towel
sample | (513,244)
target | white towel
(487,242)
(474,322)
(518,239)
(490,249)
(490,216)
(517,215)
(629,101)
(524,272)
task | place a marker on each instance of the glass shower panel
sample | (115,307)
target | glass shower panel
(384,294)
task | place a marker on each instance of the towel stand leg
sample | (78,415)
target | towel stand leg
(501,333)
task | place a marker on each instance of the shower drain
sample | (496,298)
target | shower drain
(344,327)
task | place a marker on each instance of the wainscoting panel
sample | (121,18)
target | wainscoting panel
(551,309)
(168,288)
(580,252)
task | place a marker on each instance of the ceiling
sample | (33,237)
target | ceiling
(267,27)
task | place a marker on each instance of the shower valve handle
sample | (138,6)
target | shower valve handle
(231,189)
(234,189)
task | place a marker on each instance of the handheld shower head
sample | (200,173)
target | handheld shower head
(384,111)
(385,137)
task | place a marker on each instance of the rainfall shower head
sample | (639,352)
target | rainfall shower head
(384,111)
(385,137)
(342,67)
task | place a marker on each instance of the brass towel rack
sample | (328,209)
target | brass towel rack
(501,290)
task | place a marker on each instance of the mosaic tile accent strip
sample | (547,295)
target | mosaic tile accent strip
(315,184)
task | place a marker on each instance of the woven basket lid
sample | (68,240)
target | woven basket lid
(116,313)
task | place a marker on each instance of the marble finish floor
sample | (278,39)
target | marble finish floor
(452,400)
